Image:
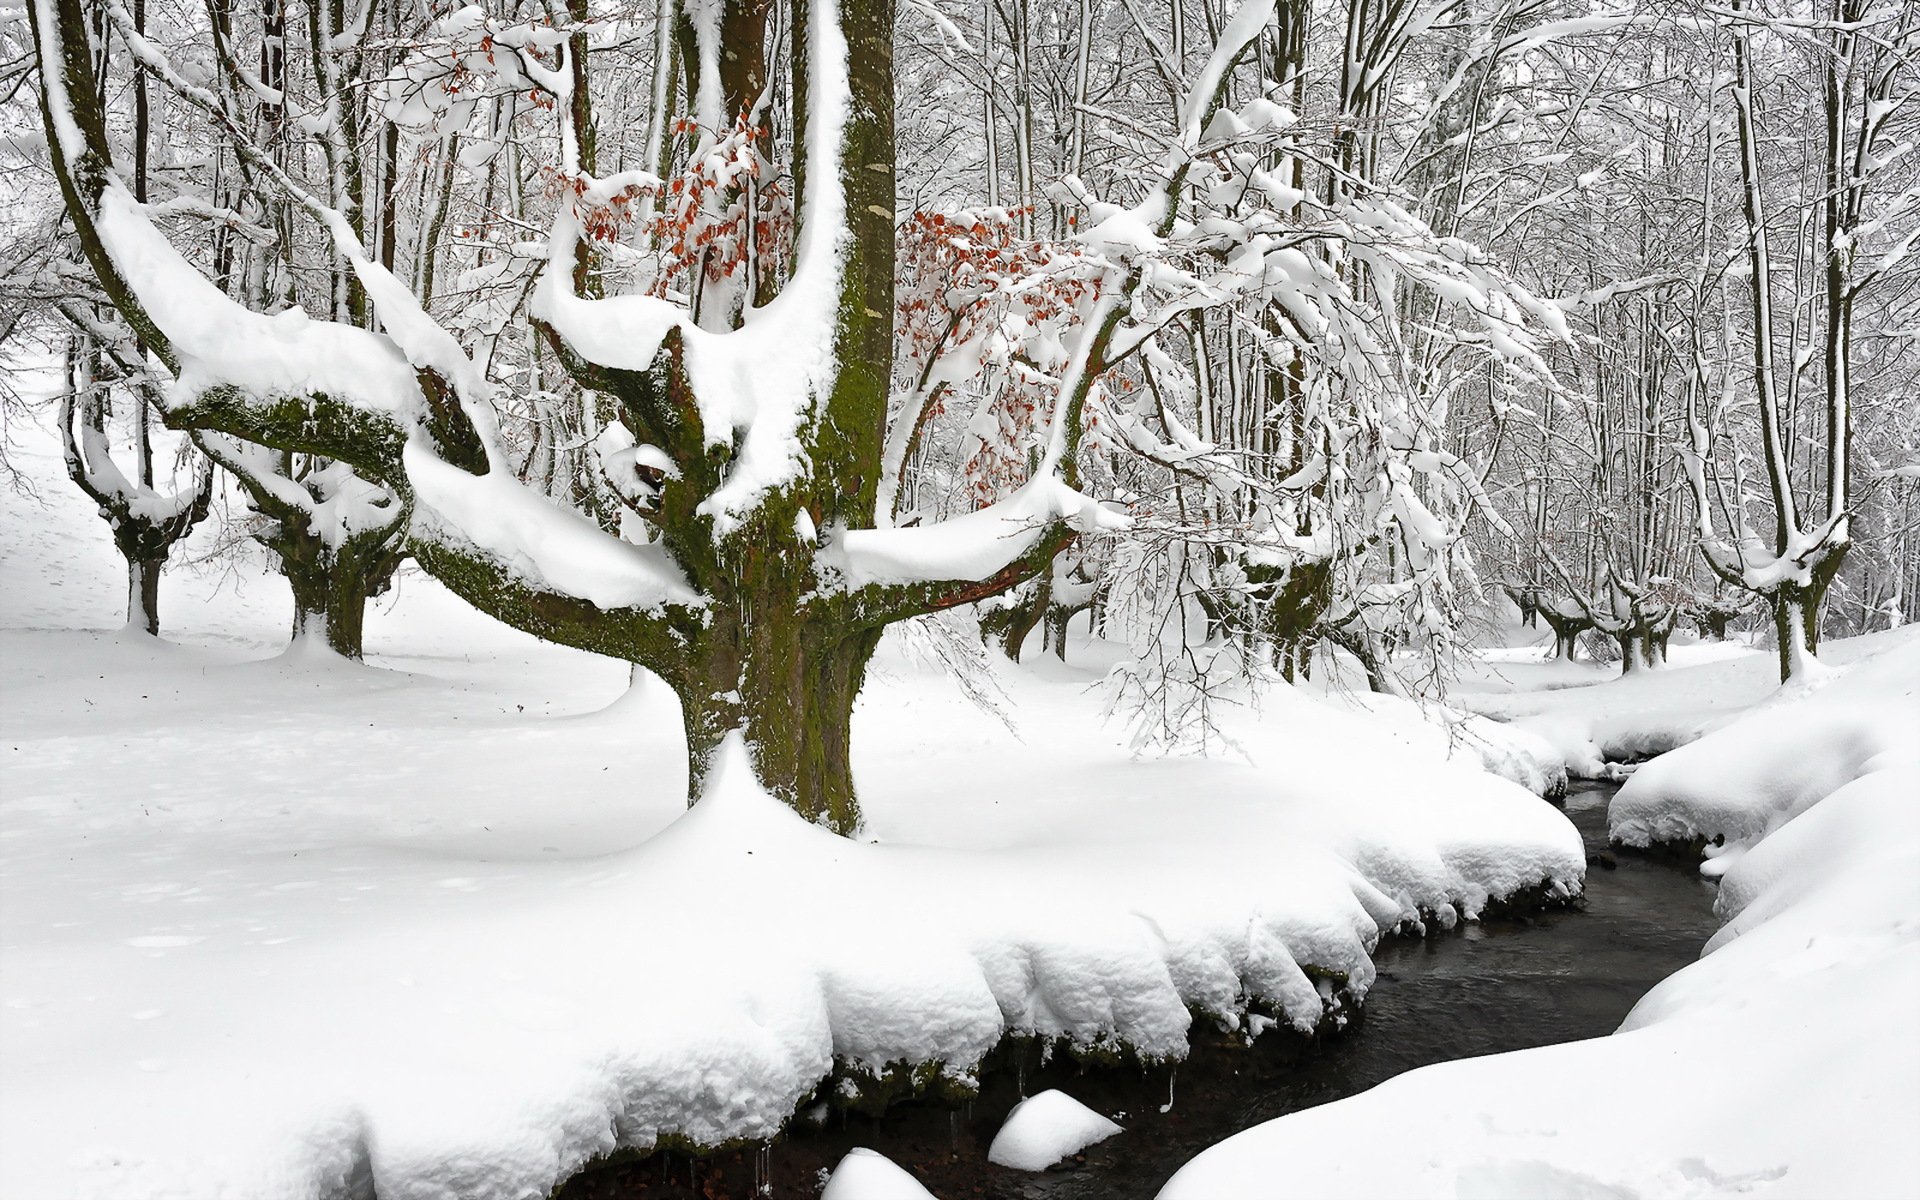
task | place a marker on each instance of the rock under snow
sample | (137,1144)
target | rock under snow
(869,1175)
(1045,1128)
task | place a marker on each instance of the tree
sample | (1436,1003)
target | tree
(336,537)
(146,522)
(1860,55)
(756,451)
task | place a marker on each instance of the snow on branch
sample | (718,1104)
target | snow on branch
(759,390)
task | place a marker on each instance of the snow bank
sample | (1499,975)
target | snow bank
(1736,785)
(1709,1087)
(1510,751)
(1046,1128)
(1601,728)
(472,949)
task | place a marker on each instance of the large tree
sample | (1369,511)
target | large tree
(755,452)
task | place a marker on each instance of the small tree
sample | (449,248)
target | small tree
(146,522)
(336,537)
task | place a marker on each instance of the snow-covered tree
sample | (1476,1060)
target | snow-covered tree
(1859,209)
(147,521)
(752,455)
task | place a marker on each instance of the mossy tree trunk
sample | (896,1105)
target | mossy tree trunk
(1059,617)
(1294,601)
(332,571)
(1567,629)
(1796,614)
(789,690)
(331,586)
(1008,626)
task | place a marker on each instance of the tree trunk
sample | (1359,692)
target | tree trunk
(791,697)
(1631,658)
(331,607)
(1566,634)
(331,585)
(143,593)
(1008,627)
(1059,616)
(1790,632)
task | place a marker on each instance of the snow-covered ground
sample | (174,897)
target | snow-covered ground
(442,924)
(1784,1063)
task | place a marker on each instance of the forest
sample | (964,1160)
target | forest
(882,598)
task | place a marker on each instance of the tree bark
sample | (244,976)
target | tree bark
(330,592)
(1009,627)
(789,691)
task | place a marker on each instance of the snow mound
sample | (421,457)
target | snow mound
(868,1175)
(1510,751)
(1705,1090)
(1045,1128)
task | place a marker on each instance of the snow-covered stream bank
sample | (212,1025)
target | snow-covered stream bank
(1501,985)
(1784,1063)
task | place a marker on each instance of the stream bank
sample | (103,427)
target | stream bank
(1506,983)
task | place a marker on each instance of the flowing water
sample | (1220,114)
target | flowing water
(1485,988)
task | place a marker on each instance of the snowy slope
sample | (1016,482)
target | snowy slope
(441,923)
(1783,1063)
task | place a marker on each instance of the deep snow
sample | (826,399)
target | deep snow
(273,925)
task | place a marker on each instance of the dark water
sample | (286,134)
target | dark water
(1483,989)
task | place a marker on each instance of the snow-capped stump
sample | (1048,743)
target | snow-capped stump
(869,1175)
(1045,1128)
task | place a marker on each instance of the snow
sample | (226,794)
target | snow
(1044,1129)
(866,1175)
(1780,1064)
(222,344)
(1508,750)
(1742,782)
(442,922)
(971,546)
(545,545)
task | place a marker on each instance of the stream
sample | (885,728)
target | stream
(1486,988)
